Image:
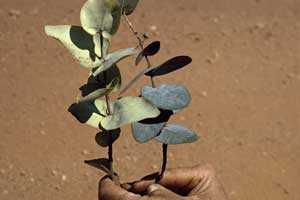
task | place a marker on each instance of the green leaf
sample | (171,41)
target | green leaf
(174,134)
(103,138)
(167,97)
(128,110)
(90,113)
(83,47)
(105,83)
(150,50)
(101,16)
(170,66)
(128,5)
(102,164)
(145,132)
(114,58)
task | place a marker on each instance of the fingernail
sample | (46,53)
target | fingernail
(152,188)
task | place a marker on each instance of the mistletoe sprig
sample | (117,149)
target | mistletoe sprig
(147,113)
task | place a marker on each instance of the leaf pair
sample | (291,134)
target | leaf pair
(101,85)
(124,111)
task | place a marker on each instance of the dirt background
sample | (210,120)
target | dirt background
(244,81)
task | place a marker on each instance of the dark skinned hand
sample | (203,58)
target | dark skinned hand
(195,183)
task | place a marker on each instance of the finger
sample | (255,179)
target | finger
(156,190)
(179,180)
(108,190)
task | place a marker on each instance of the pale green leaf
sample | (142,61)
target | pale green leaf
(101,16)
(128,110)
(84,47)
(114,58)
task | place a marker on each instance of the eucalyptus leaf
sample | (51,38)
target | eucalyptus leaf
(174,134)
(84,47)
(103,138)
(101,16)
(102,164)
(128,6)
(128,110)
(167,96)
(169,66)
(150,50)
(90,113)
(145,132)
(113,58)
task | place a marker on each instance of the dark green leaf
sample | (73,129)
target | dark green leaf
(144,132)
(163,117)
(174,134)
(150,50)
(170,66)
(102,164)
(128,5)
(167,97)
(103,138)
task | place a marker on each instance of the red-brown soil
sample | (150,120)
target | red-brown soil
(244,80)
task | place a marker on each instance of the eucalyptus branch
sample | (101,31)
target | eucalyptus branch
(164,146)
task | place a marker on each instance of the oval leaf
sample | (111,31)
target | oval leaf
(150,50)
(145,132)
(103,138)
(167,97)
(113,58)
(84,47)
(174,134)
(100,16)
(90,113)
(170,66)
(102,164)
(128,110)
(128,6)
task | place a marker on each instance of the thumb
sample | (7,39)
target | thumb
(156,190)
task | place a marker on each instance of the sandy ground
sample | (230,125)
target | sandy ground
(244,80)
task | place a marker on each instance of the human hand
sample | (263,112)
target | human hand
(196,183)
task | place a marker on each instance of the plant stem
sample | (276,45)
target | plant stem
(164,164)
(110,139)
(136,34)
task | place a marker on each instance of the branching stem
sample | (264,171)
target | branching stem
(164,146)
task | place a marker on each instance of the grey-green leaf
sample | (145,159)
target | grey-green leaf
(128,110)
(114,58)
(174,134)
(145,132)
(128,5)
(103,138)
(167,96)
(101,16)
(84,47)
(102,164)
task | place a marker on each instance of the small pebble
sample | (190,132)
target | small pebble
(2,171)
(204,94)
(54,172)
(85,152)
(153,28)
(154,167)
(64,178)
(32,180)
(22,173)
(42,132)
(14,14)
(5,192)
(260,25)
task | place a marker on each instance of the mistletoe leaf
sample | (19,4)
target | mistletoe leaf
(100,16)
(102,164)
(90,113)
(128,110)
(128,5)
(113,58)
(84,48)
(145,132)
(169,66)
(103,138)
(174,134)
(150,50)
(167,96)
